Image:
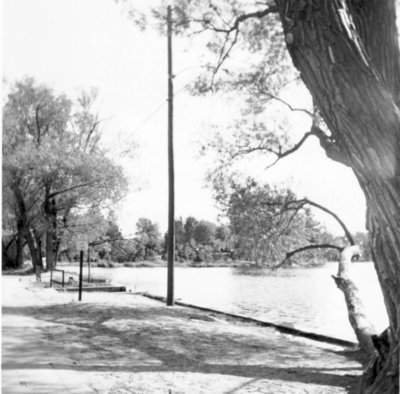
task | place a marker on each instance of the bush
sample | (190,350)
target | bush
(113,264)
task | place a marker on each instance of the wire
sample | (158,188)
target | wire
(144,122)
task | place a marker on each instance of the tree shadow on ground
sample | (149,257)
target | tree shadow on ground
(100,337)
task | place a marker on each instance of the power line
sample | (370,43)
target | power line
(145,121)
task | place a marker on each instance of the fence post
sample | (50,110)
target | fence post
(80,275)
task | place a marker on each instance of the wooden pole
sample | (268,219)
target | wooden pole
(88,260)
(171,174)
(80,274)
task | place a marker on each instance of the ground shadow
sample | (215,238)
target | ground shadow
(97,337)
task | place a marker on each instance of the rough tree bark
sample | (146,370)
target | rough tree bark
(362,327)
(25,227)
(6,261)
(347,54)
(19,258)
(50,229)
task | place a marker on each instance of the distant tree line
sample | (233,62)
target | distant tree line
(252,233)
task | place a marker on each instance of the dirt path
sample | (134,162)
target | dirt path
(122,343)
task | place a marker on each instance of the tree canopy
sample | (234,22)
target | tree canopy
(53,163)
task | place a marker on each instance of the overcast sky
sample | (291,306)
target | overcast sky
(72,44)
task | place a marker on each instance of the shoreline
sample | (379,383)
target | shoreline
(245,265)
(120,343)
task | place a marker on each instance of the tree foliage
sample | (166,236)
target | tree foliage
(148,237)
(53,163)
(266,222)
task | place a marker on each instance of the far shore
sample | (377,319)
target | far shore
(159,263)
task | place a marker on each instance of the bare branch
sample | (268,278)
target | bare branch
(92,129)
(272,96)
(224,54)
(103,241)
(68,189)
(38,124)
(278,153)
(296,146)
(256,14)
(304,248)
(334,215)
(235,26)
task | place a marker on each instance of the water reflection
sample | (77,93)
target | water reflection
(261,271)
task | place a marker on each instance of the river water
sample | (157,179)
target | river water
(304,298)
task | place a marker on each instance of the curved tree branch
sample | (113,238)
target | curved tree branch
(277,152)
(272,96)
(334,215)
(235,26)
(304,248)
(301,203)
(255,14)
(68,189)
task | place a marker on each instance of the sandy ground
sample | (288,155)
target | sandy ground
(125,343)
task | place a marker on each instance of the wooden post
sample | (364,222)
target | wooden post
(171,174)
(80,274)
(88,260)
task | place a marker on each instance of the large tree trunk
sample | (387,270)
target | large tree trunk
(6,261)
(25,226)
(347,54)
(50,213)
(19,258)
(12,250)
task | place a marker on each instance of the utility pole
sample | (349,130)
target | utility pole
(171,174)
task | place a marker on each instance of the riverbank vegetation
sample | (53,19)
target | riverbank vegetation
(199,242)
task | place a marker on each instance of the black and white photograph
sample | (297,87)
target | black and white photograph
(200,196)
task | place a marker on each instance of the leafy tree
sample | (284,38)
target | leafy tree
(265,222)
(198,240)
(204,233)
(148,238)
(184,242)
(189,228)
(53,163)
(223,238)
